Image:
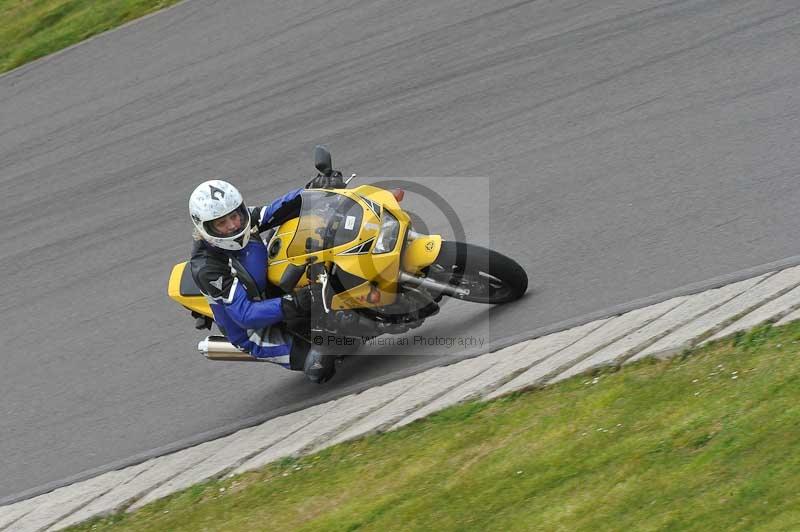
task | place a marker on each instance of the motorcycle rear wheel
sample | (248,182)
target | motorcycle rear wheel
(490,277)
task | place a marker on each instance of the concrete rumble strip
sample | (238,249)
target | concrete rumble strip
(660,330)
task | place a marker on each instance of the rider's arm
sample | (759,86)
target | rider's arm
(217,283)
(253,314)
(284,208)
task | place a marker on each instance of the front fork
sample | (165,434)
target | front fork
(432,285)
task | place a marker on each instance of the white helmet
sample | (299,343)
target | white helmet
(215,199)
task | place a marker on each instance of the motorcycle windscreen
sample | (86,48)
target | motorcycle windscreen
(327,220)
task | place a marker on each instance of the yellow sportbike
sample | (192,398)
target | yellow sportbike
(376,275)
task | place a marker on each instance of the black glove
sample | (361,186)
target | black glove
(335,180)
(317,182)
(301,302)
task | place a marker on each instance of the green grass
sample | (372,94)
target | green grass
(34,28)
(704,442)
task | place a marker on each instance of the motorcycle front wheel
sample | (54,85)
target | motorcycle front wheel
(490,277)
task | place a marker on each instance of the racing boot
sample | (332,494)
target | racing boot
(318,367)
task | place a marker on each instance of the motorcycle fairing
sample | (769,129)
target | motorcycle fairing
(379,272)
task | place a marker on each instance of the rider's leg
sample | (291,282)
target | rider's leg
(319,367)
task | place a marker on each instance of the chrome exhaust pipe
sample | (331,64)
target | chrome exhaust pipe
(430,284)
(219,348)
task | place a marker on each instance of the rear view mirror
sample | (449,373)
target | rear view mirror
(322,160)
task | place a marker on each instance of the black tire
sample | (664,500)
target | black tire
(490,276)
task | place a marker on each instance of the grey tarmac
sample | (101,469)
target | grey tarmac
(620,151)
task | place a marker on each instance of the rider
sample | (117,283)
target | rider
(229,267)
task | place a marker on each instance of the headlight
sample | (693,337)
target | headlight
(387,237)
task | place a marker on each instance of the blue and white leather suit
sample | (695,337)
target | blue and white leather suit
(245,317)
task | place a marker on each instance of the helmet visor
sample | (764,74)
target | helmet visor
(230,225)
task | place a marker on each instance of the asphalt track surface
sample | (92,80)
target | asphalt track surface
(616,149)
